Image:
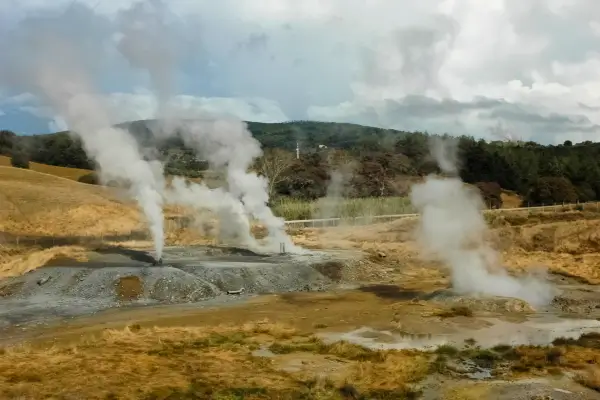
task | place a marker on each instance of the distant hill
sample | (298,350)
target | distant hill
(285,135)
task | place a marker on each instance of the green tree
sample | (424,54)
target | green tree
(552,190)
(6,141)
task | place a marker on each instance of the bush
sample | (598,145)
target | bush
(90,179)
(491,192)
(7,139)
(19,160)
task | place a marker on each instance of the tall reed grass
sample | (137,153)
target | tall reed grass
(295,209)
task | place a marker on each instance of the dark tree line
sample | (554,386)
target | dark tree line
(381,162)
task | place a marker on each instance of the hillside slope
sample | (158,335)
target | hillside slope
(63,172)
(33,203)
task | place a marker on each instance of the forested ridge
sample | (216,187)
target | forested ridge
(374,161)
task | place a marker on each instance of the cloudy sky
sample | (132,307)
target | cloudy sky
(495,69)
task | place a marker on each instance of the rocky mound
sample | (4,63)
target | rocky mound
(186,276)
(481,303)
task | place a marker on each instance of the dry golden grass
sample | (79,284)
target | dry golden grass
(510,199)
(568,247)
(47,211)
(469,391)
(567,243)
(36,204)
(63,172)
(193,363)
(54,217)
(16,261)
(590,378)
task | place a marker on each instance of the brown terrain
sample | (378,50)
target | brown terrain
(291,346)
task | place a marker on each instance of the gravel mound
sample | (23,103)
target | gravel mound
(187,275)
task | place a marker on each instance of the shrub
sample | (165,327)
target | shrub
(6,141)
(90,179)
(491,193)
(19,160)
(551,190)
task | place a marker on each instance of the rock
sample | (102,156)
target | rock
(43,280)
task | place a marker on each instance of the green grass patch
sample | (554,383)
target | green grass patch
(296,209)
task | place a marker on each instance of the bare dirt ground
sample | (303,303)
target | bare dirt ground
(390,329)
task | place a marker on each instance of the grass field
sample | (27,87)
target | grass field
(293,209)
(203,363)
(33,203)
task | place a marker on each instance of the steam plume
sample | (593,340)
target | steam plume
(59,79)
(145,42)
(225,143)
(329,206)
(228,145)
(452,229)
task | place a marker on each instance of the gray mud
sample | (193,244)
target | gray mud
(67,288)
(537,330)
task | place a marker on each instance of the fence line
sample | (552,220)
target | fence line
(179,223)
(366,220)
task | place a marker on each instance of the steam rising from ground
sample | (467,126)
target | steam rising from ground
(228,145)
(330,205)
(57,76)
(225,143)
(60,79)
(453,229)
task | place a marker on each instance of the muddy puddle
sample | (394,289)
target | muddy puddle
(536,330)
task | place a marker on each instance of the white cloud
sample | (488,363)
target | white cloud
(58,124)
(135,106)
(459,66)
(143,105)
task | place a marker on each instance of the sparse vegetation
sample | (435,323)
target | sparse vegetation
(505,360)
(340,349)
(588,340)
(294,209)
(590,378)
(447,350)
(456,311)
(195,363)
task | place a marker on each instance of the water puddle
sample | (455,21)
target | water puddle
(537,331)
